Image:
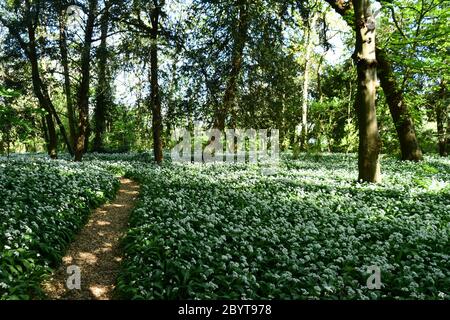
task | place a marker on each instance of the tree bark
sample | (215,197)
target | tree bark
(39,87)
(83,90)
(240,38)
(66,71)
(52,109)
(365,59)
(103,92)
(403,122)
(52,141)
(87,135)
(49,132)
(154,86)
(49,125)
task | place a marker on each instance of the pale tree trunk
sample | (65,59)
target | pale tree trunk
(320,96)
(306,79)
(365,59)
(349,106)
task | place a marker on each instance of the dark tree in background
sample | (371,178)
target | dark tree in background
(155,15)
(103,90)
(83,89)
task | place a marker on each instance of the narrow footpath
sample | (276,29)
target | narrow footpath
(96,251)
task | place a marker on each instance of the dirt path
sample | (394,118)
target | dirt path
(96,250)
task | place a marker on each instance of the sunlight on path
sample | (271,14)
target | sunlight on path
(96,250)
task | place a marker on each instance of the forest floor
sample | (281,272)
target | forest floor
(96,250)
(306,230)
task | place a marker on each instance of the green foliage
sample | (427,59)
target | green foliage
(414,33)
(196,48)
(17,120)
(8,93)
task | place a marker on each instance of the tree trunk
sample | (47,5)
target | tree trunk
(306,79)
(403,122)
(365,59)
(87,136)
(240,38)
(66,71)
(103,91)
(49,128)
(320,98)
(55,115)
(52,139)
(44,130)
(39,87)
(155,96)
(83,90)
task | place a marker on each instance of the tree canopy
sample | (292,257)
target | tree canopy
(113,75)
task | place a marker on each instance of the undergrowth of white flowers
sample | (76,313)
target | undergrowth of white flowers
(43,204)
(302,230)
(306,231)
